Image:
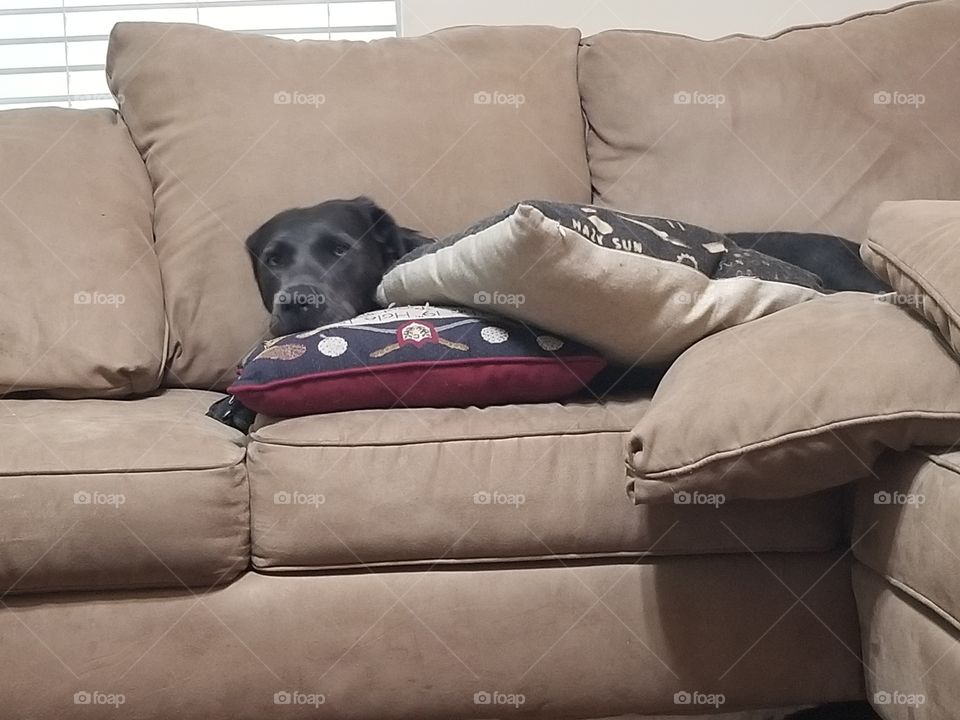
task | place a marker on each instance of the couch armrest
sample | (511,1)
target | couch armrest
(905,529)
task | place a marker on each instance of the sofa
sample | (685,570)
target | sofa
(156,564)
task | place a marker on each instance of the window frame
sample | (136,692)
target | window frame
(74,98)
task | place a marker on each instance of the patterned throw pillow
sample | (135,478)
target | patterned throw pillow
(638,289)
(413,356)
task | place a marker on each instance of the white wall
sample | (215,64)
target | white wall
(700,18)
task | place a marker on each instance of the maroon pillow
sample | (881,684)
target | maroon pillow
(413,356)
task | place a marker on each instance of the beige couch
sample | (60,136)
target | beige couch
(155,564)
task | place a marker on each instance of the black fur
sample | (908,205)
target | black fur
(834,260)
(322,264)
(319,265)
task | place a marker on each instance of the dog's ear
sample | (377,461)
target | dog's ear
(409,240)
(395,240)
(255,245)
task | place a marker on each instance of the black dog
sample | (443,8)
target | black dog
(834,260)
(322,264)
(319,265)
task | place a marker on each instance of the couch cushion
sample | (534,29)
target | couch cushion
(906,527)
(798,401)
(913,246)
(909,654)
(808,130)
(597,640)
(499,484)
(562,266)
(82,308)
(120,493)
(235,128)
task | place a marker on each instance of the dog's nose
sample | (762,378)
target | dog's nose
(299,299)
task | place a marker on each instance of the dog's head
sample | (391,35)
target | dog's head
(322,264)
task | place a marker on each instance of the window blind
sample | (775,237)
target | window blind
(52,53)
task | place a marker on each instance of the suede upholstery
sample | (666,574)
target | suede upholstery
(401,121)
(905,523)
(100,494)
(909,653)
(575,641)
(79,281)
(913,246)
(808,130)
(450,487)
(221,587)
(809,398)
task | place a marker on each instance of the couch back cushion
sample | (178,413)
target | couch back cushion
(441,130)
(81,309)
(808,130)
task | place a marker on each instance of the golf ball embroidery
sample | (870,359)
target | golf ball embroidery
(332,346)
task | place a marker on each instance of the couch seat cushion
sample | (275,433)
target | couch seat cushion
(494,484)
(591,641)
(120,493)
(906,527)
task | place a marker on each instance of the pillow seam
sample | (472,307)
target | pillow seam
(722,455)
(913,274)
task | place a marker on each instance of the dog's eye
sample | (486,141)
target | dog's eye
(341,249)
(272,260)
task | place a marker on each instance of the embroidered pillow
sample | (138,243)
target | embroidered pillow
(418,356)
